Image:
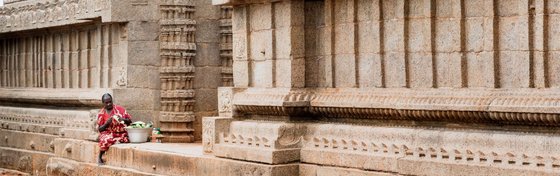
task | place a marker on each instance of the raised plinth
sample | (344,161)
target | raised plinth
(166,159)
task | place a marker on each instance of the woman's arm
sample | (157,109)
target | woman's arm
(126,121)
(104,126)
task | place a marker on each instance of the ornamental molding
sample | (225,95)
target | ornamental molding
(525,107)
(28,15)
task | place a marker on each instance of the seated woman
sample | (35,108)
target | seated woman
(111,121)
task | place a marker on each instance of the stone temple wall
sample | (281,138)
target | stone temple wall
(56,60)
(195,51)
(412,87)
(161,60)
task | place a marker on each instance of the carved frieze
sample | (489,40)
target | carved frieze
(49,13)
(523,107)
(383,148)
(47,121)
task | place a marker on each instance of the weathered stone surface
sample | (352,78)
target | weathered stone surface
(12,172)
(78,150)
(314,170)
(61,166)
(212,127)
(28,141)
(272,143)
(208,100)
(144,53)
(141,76)
(27,161)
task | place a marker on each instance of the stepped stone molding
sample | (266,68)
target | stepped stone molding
(388,149)
(272,143)
(48,117)
(381,148)
(67,123)
(50,13)
(522,107)
(70,97)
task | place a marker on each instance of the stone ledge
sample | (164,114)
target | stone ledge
(79,150)
(520,107)
(8,172)
(315,170)
(27,141)
(24,160)
(239,2)
(386,148)
(186,159)
(58,97)
(61,166)
(261,155)
(49,121)
(39,14)
(36,14)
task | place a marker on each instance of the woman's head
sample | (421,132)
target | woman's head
(107,100)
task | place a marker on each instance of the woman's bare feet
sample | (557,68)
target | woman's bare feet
(100,161)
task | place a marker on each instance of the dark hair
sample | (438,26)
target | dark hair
(106,94)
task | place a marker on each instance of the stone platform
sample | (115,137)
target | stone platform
(163,159)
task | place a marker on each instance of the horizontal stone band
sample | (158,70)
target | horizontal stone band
(527,107)
(54,97)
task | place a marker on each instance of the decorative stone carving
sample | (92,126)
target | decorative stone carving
(82,61)
(52,13)
(468,106)
(267,142)
(386,148)
(226,42)
(212,127)
(177,52)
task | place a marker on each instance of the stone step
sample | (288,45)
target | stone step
(176,130)
(78,157)
(62,166)
(9,172)
(173,138)
(186,159)
(32,162)
(26,140)
(29,127)
(78,150)
(154,158)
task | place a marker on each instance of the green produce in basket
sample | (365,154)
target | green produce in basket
(140,124)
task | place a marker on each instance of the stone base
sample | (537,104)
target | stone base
(27,161)
(188,159)
(8,172)
(315,170)
(177,139)
(166,159)
(61,166)
(265,155)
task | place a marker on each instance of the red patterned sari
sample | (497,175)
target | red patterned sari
(115,132)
